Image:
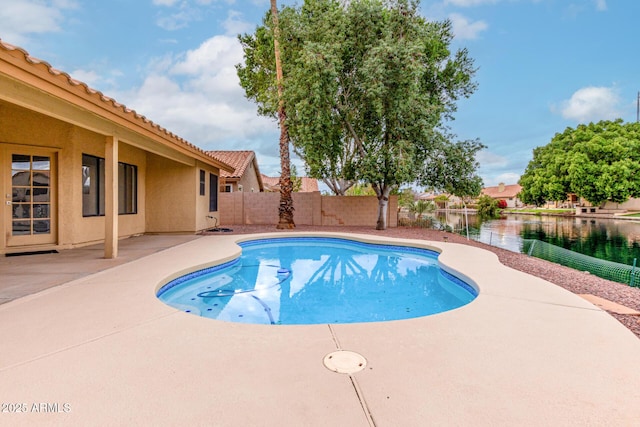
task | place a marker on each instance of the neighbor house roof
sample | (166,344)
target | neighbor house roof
(271,183)
(88,105)
(308,185)
(502,191)
(240,161)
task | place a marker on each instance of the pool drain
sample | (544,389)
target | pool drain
(345,362)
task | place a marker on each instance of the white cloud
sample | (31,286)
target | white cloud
(235,25)
(103,80)
(469,3)
(165,2)
(20,18)
(496,168)
(601,5)
(507,178)
(90,77)
(491,160)
(465,30)
(198,96)
(591,104)
(178,20)
(184,12)
(65,4)
(215,54)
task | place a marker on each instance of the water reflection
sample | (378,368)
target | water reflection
(609,239)
(310,284)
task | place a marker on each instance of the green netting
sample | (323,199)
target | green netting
(614,271)
(617,272)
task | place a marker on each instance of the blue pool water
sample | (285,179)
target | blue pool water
(309,280)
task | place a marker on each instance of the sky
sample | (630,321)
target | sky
(542,66)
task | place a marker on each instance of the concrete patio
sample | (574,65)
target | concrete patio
(101,349)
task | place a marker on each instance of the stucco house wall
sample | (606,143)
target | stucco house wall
(630,205)
(249,181)
(507,193)
(171,184)
(174,188)
(44,114)
(246,175)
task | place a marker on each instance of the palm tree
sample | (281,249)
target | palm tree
(420,207)
(285,210)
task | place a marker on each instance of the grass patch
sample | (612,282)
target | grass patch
(539,211)
(633,215)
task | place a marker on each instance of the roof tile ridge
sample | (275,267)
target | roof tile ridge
(99,95)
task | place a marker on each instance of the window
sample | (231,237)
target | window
(92,186)
(202,180)
(93,191)
(213,193)
(127,189)
(228,188)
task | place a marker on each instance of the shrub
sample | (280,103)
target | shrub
(487,207)
(502,204)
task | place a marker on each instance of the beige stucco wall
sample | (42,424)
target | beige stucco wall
(175,189)
(168,191)
(203,217)
(310,209)
(91,229)
(4,211)
(173,186)
(249,180)
(629,205)
(22,130)
(512,202)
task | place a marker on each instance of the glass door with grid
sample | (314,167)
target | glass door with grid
(32,207)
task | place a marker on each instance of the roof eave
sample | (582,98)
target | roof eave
(16,64)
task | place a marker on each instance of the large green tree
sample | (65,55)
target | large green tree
(370,85)
(599,162)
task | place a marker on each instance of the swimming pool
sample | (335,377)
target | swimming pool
(318,280)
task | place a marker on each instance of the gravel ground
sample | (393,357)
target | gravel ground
(576,282)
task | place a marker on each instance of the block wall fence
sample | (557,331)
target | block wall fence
(244,208)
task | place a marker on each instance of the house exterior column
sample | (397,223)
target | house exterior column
(111,197)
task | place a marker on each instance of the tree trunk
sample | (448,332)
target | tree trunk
(338,186)
(383,207)
(285,210)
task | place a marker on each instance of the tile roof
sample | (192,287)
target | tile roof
(239,160)
(10,53)
(502,191)
(308,185)
(271,183)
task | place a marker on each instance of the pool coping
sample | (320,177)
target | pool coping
(524,352)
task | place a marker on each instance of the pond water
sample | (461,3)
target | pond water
(609,239)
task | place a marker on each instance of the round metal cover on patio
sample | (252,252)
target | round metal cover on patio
(344,362)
